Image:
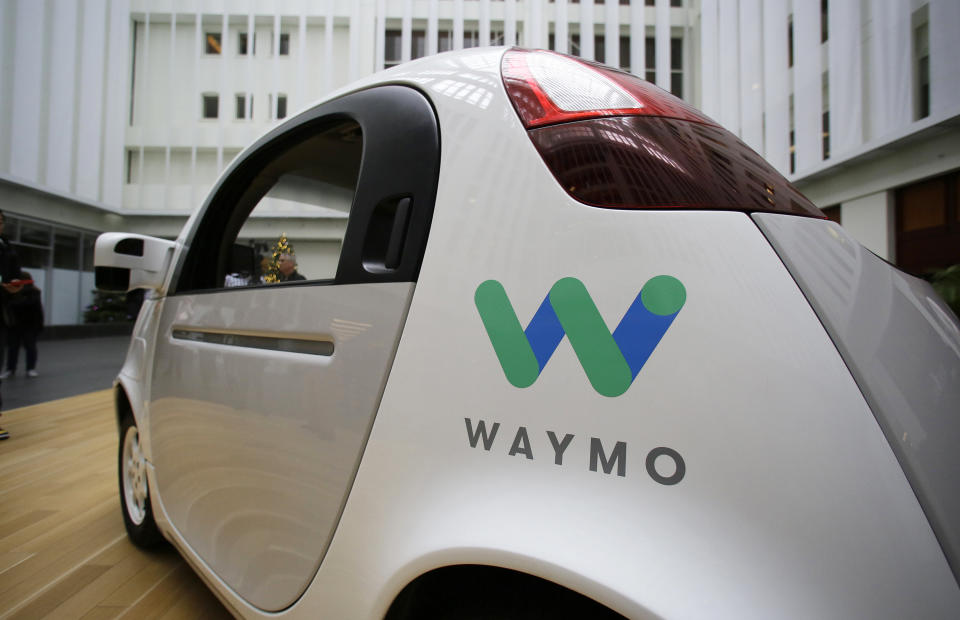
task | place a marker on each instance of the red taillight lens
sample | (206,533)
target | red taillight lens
(548,88)
(614,140)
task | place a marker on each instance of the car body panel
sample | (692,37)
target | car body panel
(255,449)
(793,504)
(134,375)
(901,342)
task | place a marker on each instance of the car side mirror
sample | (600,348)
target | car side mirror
(127,261)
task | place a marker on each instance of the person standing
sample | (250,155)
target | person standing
(287,266)
(25,313)
(9,271)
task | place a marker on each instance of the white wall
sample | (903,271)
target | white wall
(868,219)
(60,123)
(27,89)
(944,68)
(62,116)
(317,260)
(65,299)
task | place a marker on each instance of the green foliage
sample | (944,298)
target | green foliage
(947,285)
(106,308)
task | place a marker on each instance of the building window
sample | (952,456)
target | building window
(928,224)
(419,49)
(241,107)
(793,151)
(281,106)
(211,106)
(130,155)
(392,52)
(923,206)
(921,63)
(393,46)
(625,53)
(673,3)
(923,87)
(243,40)
(676,62)
(793,141)
(824,24)
(42,247)
(825,117)
(676,67)
(296,173)
(833,213)
(66,250)
(213,43)
(599,48)
(284,44)
(393,43)
(651,60)
(471,38)
(790,41)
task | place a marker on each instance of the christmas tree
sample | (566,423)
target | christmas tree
(107,307)
(283,246)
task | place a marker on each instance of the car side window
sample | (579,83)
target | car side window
(341,194)
(296,228)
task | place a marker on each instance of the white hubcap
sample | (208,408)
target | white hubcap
(134,476)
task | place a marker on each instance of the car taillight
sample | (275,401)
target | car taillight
(614,140)
(548,88)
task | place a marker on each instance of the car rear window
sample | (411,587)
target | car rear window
(634,162)
(902,346)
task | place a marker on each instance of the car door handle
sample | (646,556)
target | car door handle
(270,343)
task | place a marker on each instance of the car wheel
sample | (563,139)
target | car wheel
(134,490)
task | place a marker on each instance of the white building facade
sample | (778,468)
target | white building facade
(120,114)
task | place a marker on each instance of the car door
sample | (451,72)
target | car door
(263,392)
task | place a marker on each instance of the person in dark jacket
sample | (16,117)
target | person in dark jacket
(9,271)
(25,314)
(287,266)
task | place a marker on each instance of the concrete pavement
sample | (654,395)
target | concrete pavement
(67,368)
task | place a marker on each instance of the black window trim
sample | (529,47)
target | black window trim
(401,157)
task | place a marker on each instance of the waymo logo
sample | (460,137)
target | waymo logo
(611,361)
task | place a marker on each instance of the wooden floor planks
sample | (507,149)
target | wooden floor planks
(63,549)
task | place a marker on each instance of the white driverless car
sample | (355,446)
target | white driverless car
(555,345)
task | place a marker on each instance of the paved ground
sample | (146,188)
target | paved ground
(67,368)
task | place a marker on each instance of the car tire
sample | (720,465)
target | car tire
(134,489)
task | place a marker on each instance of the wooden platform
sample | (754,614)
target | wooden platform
(63,549)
